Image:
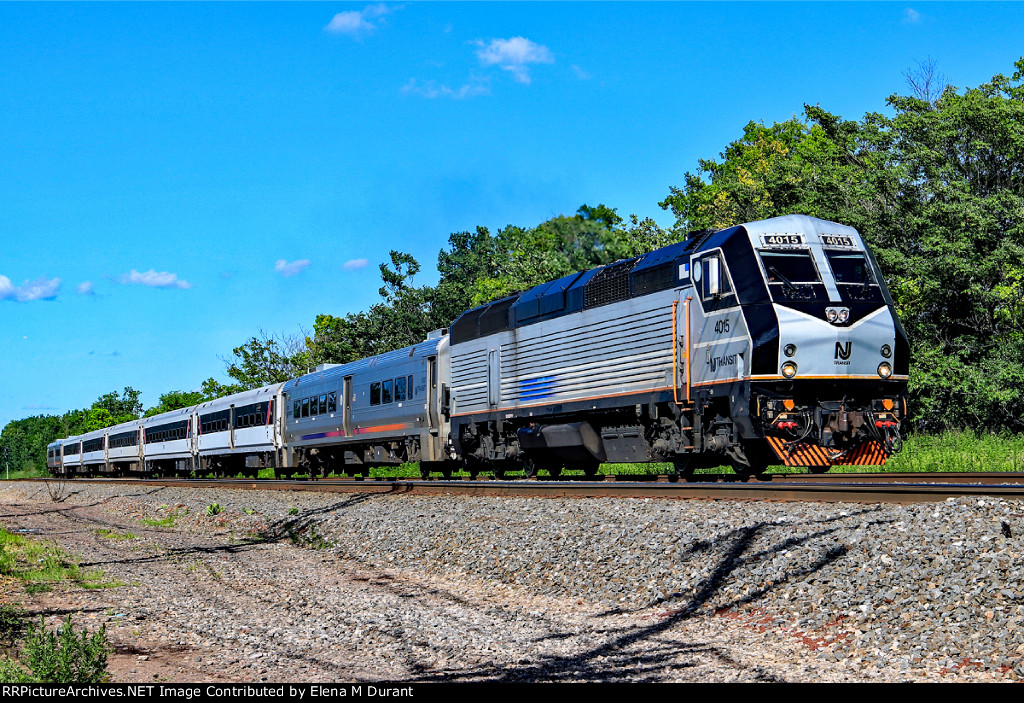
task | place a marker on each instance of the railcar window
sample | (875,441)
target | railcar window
(375,393)
(332,401)
(386,393)
(400,389)
(713,275)
(305,407)
(295,408)
(409,386)
(323,403)
(789,267)
(849,268)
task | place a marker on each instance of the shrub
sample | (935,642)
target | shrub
(12,623)
(64,656)
(213,509)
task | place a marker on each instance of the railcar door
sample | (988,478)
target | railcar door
(681,348)
(433,417)
(346,412)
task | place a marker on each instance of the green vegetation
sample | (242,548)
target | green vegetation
(113,534)
(934,185)
(40,565)
(214,509)
(960,451)
(58,656)
(12,623)
(168,521)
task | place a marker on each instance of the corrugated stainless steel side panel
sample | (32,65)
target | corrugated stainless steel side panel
(613,349)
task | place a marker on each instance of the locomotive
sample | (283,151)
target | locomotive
(771,342)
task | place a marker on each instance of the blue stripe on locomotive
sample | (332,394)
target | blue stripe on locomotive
(538,388)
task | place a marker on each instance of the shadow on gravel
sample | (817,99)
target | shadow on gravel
(635,653)
(72,508)
(278,530)
(63,612)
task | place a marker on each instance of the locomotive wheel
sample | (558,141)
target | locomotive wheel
(684,466)
(529,468)
(750,461)
(589,469)
(424,471)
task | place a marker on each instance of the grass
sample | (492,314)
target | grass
(953,451)
(30,472)
(112,534)
(39,565)
(167,521)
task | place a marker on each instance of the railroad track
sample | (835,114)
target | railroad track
(854,488)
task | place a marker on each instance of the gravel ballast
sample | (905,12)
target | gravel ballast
(294,586)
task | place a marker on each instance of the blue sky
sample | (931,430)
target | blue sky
(176,177)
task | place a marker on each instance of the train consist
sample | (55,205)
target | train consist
(772,342)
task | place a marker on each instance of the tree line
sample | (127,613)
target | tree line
(935,185)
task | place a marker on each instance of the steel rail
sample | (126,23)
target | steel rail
(856,491)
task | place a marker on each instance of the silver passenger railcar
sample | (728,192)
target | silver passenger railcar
(239,433)
(380,411)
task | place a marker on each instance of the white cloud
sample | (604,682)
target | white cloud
(290,269)
(514,55)
(356,23)
(85,288)
(911,16)
(41,288)
(153,279)
(431,89)
(580,73)
(354,264)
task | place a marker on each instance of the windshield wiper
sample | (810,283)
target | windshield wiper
(786,283)
(868,280)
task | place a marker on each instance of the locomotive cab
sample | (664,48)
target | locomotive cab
(828,358)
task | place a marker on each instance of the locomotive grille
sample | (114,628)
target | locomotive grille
(654,279)
(609,285)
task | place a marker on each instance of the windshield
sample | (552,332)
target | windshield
(789,267)
(854,276)
(849,268)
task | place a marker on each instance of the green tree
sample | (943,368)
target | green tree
(264,360)
(937,189)
(525,257)
(122,408)
(175,400)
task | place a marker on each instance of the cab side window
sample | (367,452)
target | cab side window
(710,278)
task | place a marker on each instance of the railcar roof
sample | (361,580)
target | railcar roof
(425,348)
(242,398)
(661,269)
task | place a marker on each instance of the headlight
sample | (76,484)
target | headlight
(789,369)
(886,351)
(789,349)
(885,369)
(837,316)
